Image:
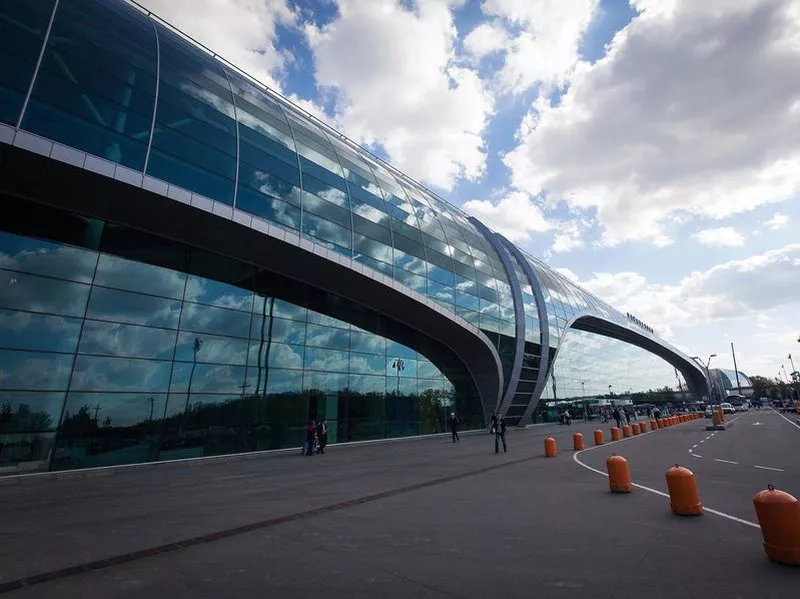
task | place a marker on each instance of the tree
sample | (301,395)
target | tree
(763,386)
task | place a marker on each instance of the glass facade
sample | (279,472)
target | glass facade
(106,359)
(118,348)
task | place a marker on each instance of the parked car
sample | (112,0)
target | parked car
(742,407)
(727,408)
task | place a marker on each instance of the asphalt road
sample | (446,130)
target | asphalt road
(417,518)
(731,466)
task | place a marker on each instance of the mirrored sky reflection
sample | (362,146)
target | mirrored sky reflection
(132,359)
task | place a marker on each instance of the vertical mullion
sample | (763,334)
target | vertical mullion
(38,64)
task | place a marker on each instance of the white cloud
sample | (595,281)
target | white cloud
(735,289)
(544,48)
(244,32)
(486,39)
(720,236)
(692,111)
(399,86)
(568,237)
(515,216)
(777,221)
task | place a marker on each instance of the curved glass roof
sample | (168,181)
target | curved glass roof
(116,82)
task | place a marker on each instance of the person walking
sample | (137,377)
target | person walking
(453,421)
(322,435)
(627,416)
(567,418)
(311,434)
(499,428)
(617,417)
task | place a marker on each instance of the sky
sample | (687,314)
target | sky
(648,149)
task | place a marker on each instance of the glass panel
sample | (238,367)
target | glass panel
(24,330)
(326,359)
(217,321)
(120,374)
(22,370)
(26,411)
(207,378)
(321,336)
(206,291)
(269,208)
(367,342)
(142,278)
(212,349)
(368,364)
(112,339)
(133,308)
(33,256)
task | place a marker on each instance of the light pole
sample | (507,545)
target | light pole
(195,348)
(705,367)
(399,365)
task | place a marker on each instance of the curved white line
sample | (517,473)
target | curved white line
(656,491)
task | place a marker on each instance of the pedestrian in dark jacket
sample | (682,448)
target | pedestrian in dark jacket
(454,422)
(322,435)
(499,428)
(628,416)
(617,416)
(311,437)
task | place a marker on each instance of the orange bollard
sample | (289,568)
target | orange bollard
(577,441)
(654,425)
(619,476)
(683,497)
(643,426)
(598,437)
(635,428)
(721,414)
(779,516)
(550,447)
(716,419)
(626,430)
(616,434)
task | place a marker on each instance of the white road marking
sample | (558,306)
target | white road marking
(656,491)
(696,455)
(690,451)
(703,441)
(726,461)
(787,420)
(757,423)
(768,468)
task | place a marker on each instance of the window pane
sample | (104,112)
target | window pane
(367,343)
(212,349)
(207,291)
(268,208)
(326,230)
(217,321)
(34,370)
(23,330)
(133,308)
(142,278)
(207,378)
(326,359)
(38,257)
(25,411)
(123,340)
(39,294)
(120,374)
(321,336)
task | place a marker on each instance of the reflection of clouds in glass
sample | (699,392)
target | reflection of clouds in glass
(208,98)
(326,359)
(320,336)
(269,185)
(219,350)
(40,294)
(213,320)
(263,128)
(46,258)
(126,340)
(120,374)
(40,371)
(323,381)
(23,330)
(135,276)
(284,381)
(207,378)
(362,383)
(134,308)
(368,364)
(224,295)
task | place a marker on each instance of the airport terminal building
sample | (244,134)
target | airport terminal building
(190,265)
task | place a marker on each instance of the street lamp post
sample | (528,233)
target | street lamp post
(705,368)
(399,365)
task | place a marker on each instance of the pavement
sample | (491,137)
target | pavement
(412,518)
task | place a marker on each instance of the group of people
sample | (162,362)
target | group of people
(316,437)
(317,433)
(498,429)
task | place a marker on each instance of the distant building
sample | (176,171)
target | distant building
(727,380)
